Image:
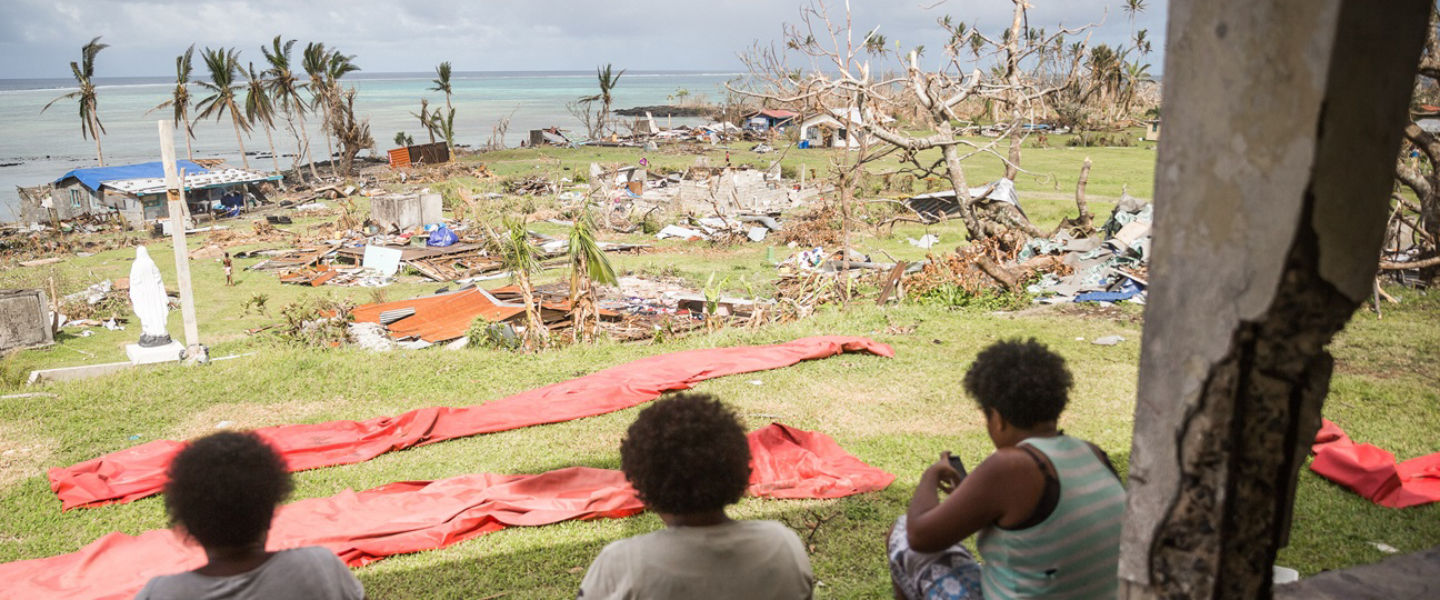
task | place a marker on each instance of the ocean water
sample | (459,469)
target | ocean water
(36,148)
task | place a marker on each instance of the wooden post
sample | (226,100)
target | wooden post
(174,193)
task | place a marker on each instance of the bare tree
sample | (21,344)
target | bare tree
(1029,68)
(1415,225)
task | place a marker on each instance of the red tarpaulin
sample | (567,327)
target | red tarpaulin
(1372,472)
(140,471)
(363,527)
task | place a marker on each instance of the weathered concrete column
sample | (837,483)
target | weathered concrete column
(1282,121)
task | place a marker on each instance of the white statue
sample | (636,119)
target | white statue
(147,295)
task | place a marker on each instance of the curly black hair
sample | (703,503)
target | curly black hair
(1022,380)
(223,488)
(687,454)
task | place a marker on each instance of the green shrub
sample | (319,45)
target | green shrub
(954,296)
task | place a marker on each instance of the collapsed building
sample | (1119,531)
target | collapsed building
(136,192)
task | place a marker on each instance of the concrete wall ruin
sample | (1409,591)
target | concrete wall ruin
(1282,124)
(406,211)
(24,320)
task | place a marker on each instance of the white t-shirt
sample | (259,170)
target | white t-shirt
(310,572)
(755,560)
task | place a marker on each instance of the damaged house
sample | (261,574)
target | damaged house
(770,119)
(137,192)
(832,129)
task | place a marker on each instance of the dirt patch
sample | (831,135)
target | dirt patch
(1087,310)
(22,454)
(246,415)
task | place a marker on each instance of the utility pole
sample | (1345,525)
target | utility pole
(174,194)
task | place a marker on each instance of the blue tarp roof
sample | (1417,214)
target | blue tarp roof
(92,177)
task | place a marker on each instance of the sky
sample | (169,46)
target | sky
(38,38)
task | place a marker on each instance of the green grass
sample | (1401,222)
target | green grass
(895,413)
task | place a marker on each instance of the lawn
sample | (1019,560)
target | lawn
(897,414)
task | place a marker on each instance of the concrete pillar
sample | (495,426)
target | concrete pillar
(1282,122)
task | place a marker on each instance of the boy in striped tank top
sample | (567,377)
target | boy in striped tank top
(1046,507)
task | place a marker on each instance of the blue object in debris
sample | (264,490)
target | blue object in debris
(442,237)
(1127,289)
(1104,296)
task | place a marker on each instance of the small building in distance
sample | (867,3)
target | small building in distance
(768,119)
(831,129)
(137,192)
(1152,130)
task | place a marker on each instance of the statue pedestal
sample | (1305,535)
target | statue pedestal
(143,356)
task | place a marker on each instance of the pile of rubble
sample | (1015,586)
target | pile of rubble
(1110,266)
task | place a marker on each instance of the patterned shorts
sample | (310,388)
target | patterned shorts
(951,574)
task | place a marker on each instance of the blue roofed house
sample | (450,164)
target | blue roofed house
(137,192)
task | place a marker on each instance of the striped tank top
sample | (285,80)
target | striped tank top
(1073,553)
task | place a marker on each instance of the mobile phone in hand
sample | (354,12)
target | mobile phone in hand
(957,465)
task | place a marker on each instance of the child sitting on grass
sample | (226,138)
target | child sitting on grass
(1047,507)
(222,493)
(688,458)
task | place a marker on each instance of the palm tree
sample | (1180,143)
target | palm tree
(522,259)
(1132,8)
(1135,75)
(180,98)
(608,79)
(223,64)
(425,120)
(442,84)
(259,110)
(285,92)
(336,66)
(316,62)
(84,72)
(588,266)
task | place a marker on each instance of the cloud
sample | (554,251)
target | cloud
(40,37)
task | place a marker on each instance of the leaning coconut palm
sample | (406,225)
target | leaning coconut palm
(445,126)
(259,110)
(316,62)
(84,72)
(223,65)
(285,92)
(520,256)
(588,267)
(425,120)
(180,98)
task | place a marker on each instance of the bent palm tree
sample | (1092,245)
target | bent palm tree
(180,98)
(84,72)
(522,259)
(588,266)
(285,92)
(425,120)
(259,110)
(223,64)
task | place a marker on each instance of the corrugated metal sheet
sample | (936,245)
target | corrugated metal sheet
(438,318)
(400,158)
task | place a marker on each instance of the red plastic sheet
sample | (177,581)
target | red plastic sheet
(1373,472)
(363,527)
(140,471)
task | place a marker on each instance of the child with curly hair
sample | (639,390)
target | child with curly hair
(688,458)
(1047,507)
(222,493)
